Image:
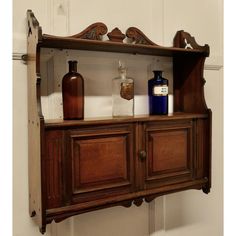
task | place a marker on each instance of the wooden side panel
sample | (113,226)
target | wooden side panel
(100,162)
(169,148)
(203,150)
(189,84)
(35,124)
(53,163)
(200,142)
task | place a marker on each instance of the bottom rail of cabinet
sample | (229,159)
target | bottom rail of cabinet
(137,198)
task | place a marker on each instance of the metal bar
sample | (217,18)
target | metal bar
(19,56)
(212,67)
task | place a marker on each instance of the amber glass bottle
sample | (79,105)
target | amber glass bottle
(73,93)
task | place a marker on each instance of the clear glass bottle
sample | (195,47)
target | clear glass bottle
(122,93)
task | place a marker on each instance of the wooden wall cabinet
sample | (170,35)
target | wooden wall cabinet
(80,166)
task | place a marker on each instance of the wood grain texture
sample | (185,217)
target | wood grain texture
(57,123)
(169,153)
(164,158)
(62,213)
(54,168)
(189,84)
(203,157)
(95,155)
(100,162)
(108,46)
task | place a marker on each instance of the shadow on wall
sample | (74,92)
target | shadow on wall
(114,221)
(171,212)
(174,211)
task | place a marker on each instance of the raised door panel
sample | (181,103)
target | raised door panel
(100,162)
(162,157)
(169,148)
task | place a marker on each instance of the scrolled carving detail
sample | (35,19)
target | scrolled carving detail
(92,32)
(138,37)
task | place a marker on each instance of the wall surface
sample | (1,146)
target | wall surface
(186,213)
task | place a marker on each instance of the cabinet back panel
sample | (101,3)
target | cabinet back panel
(98,69)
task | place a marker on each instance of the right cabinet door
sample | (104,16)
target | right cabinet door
(169,153)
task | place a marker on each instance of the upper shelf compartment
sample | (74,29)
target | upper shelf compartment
(137,42)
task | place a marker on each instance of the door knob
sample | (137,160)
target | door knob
(142,155)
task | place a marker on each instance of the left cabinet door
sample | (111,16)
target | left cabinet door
(99,162)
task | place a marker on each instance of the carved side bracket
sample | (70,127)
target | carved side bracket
(185,40)
(138,37)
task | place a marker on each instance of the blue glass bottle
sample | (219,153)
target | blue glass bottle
(158,94)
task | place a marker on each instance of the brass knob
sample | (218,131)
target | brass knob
(142,155)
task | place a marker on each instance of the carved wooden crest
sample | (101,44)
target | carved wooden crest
(116,35)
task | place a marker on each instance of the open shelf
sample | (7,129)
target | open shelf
(57,123)
(108,46)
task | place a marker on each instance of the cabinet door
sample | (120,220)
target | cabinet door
(169,153)
(99,162)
